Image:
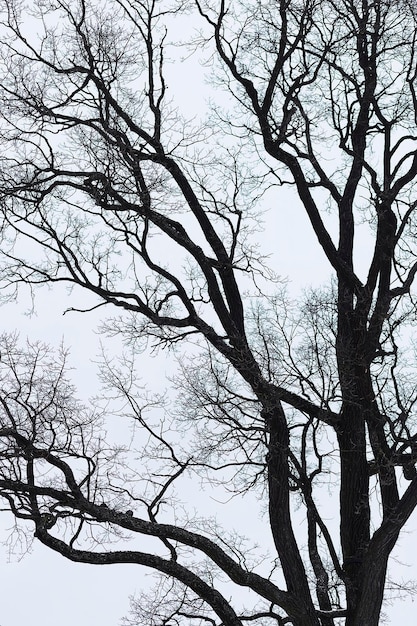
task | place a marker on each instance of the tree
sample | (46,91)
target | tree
(106,188)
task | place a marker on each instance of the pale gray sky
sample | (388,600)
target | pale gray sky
(45,589)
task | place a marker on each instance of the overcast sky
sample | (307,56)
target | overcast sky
(43,588)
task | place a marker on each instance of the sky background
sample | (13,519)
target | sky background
(43,588)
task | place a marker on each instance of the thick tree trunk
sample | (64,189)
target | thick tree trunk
(354,478)
(354,503)
(280,517)
(368,608)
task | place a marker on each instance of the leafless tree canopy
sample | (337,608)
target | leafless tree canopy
(106,186)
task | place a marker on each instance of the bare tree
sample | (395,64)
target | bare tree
(106,188)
